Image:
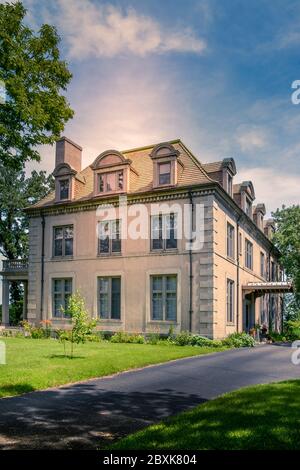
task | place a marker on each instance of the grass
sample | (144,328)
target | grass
(260,417)
(34,364)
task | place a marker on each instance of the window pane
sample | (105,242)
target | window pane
(120,179)
(116,298)
(157,306)
(104,237)
(104,309)
(171,303)
(101,183)
(116,240)
(64,189)
(171,283)
(103,282)
(171,230)
(156,235)
(69,247)
(157,283)
(110,181)
(165,173)
(58,285)
(68,286)
(57,305)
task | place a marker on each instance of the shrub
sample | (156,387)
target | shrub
(239,340)
(276,337)
(182,339)
(198,340)
(122,337)
(292,328)
(153,338)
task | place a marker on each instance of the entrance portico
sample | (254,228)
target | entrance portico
(254,290)
(13,271)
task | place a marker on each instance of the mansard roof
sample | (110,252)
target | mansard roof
(190,170)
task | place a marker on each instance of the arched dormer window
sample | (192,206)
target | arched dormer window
(244,195)
(64,182)
(164,157)
(111,173)
(228,172)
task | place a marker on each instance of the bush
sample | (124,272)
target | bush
(153,338)
(276,337)
(182,339)
(198,340)
(239,340)
(122,337)
(292,328)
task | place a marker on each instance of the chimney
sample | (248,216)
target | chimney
(68,152)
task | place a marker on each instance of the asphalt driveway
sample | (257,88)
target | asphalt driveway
(90,414)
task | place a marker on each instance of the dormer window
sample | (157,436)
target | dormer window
(111,173)
(64,189)
(113,181)
(248,207)
(165,164)
(164,173)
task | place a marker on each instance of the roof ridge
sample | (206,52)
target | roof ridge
(145,147)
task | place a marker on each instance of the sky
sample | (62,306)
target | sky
(215,74)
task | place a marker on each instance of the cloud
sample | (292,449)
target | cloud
(272,187)
(250,139)
(93,30)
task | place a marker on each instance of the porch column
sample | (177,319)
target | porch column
(25,300)
(5,301)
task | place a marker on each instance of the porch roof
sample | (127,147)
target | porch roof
(278,287)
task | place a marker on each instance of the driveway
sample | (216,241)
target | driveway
(90,414)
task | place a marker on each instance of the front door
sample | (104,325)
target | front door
(248,315)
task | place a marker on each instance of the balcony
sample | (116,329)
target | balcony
(14,266)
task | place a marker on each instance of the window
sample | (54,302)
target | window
(248,208)
(164,171)
(109,237)
(229,184)
(262,265)
(113,181)
(109,298)
(230,301)
(63,241)
(64,187)
(230,240)
(164,298)
(240,244)
(62,290)
(164,232)
(273,271)
(248,254)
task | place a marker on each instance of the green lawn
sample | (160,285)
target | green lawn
(34,364)
(260,417)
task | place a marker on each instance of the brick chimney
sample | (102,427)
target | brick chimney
(68,152)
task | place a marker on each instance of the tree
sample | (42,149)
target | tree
(16,193)
(82,325)
(287,240)
(34,111)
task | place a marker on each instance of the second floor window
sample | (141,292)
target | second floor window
(63,241)
(64,189)
(164,232)
(109,237)
(230,240)
(113,181)
(248,254)
(164,173)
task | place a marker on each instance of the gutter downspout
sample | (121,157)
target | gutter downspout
(238,273)
(191,263)
(42,265)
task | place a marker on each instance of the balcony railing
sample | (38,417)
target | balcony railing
(15,265)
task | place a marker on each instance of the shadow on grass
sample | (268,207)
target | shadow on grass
(62,356)
(260,417)
(14,389)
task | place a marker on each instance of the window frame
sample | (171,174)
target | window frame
(62,227)
(163,229)
(111,251)
(230,299)
(60,181)
(229,184)
(230,241)
(63,293)
(159,165)
(248,254)
(164,294)
(104,176)
(110,298)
